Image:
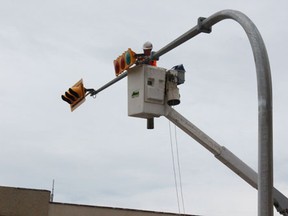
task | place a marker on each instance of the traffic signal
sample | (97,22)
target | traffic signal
(123,62)
(75,95)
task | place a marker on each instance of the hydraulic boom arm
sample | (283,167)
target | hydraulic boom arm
(225,156)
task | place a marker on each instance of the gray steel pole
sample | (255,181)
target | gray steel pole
(265,131)
(121,76)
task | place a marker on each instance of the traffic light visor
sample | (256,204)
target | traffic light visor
(75,95)
(117,67)
(124,61)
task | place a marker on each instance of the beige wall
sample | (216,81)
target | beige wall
(30,202)
(23,202)
(60,209)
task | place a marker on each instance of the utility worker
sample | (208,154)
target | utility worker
(147,49)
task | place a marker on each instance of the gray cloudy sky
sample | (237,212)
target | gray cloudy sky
(100,156)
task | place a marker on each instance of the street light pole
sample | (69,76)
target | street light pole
(265,132)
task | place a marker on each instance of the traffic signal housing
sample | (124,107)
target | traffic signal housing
(75,95)
(125,61)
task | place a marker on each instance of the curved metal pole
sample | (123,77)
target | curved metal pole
(265,132)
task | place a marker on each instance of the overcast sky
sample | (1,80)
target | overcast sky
(100,156)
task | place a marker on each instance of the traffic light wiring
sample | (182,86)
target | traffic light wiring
(174,164)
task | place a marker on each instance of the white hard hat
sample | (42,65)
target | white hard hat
(147,45)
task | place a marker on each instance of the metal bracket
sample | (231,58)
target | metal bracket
(201,27)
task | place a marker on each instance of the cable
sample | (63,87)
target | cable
(174,170)
(179,169)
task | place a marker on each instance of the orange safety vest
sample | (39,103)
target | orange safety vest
(153,63)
